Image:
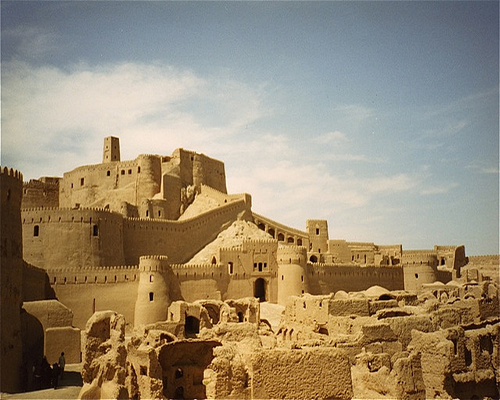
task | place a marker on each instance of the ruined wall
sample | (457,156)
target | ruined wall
(327,278)
(43,192)
(11,183)
(315,373)
(63,238)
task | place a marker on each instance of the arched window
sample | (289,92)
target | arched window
(281,237)
(230,267)
(36,230)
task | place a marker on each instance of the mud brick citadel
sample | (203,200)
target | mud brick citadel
(163,285)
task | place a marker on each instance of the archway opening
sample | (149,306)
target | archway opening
(260,289)
(313,259)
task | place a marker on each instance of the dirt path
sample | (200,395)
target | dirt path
(69,387)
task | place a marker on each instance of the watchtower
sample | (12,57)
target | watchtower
(292,274)
(153,297)
(111,150)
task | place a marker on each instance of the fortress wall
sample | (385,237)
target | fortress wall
(36,285)
(279,231)
(200,281)
(325,279)
(139,178)
(179,240)
(11,186)
(84,299)
(41,193)
(428,257)
(493,259)
(88,237)
(196,169)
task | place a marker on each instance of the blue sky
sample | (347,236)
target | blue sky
(381,117)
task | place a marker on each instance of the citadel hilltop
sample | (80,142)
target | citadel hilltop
(159,241)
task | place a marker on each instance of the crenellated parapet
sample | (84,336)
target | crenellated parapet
(154,263)
(11,172)
(291,254)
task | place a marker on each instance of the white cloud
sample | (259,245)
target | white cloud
(438,189)
(331,137)
(53,117)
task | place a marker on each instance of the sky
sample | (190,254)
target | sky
(380,117)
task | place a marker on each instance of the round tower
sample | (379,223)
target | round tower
(419,269)
(11,184)
(153,297)
(292,277)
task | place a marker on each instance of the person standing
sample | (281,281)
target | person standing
(55,375)
(62,364)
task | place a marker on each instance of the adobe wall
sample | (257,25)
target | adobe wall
(36,285)
(179,240)
(196,169)
(130,181)
(43,192)
(84,237)
(281,232)
(85,290)
(313,373)
(11,184)
(328,278)
(417,275)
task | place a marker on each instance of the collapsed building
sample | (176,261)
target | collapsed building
(160,242)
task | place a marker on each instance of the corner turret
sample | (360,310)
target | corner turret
(292,276)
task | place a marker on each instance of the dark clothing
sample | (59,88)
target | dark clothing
(55,375)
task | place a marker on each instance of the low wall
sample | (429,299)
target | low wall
(316,373)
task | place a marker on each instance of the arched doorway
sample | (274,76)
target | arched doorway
(259,289)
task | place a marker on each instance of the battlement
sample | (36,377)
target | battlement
(93,275)
(13,173)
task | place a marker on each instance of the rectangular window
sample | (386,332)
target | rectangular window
(36,230)
(151,296)
(82,181)
(230,267)
(95,230)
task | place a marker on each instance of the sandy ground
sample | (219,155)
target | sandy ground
(69,387)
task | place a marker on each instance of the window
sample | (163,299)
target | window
(151,296)
(159,213)
(123,172)
(317,231)
(150,278)
(416,276)
(138,170)
(108,173)
(230,267)
(260,267)
(130,172)
(36,230)
(95,230)
(82,181)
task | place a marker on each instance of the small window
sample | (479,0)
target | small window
(317,231)
(130,172)
(150,278)
(108,173)
(179,373)
(260,267)
(159,213)
(71,186)
(416,276)
(151,296)
(95,230)
(36,230)
(147,213)
(82,181)
(123,172)
(138,170)
(230,267)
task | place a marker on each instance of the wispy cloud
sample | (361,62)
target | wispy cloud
(483,168)
(331,137)
(431,190)
(65,114)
